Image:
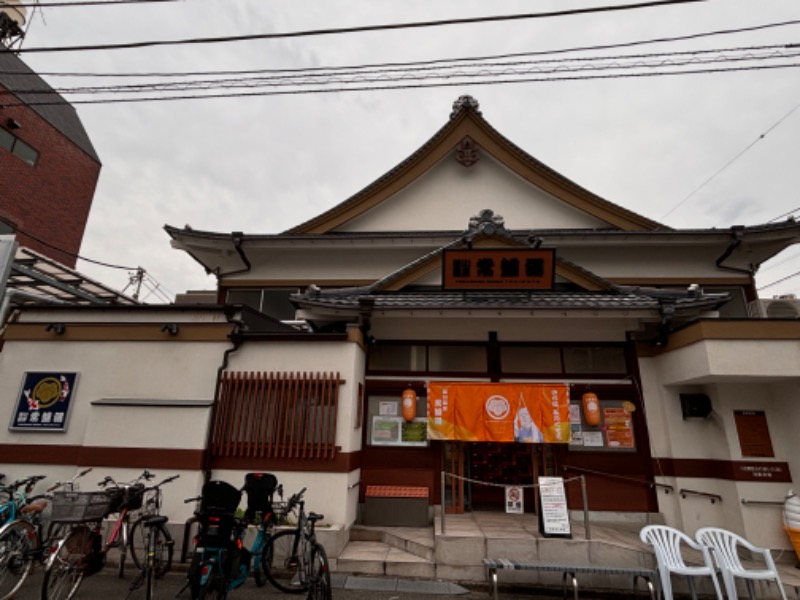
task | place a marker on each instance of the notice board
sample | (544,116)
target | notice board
(553,513)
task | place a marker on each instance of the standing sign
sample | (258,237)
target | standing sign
(514,499)
(553,515)
(44,401)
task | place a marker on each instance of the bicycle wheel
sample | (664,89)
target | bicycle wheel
(319,575)
(214,589)
(65,567)
(165,547)
(16,541)
(284,567)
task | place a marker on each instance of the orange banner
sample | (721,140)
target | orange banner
(532,413)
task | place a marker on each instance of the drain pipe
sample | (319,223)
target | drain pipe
(737,232)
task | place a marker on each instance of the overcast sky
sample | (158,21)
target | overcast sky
(661,146)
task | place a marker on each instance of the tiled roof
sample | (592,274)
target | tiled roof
(523,300)
(31,89)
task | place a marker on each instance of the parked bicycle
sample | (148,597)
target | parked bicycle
(297,561)
(151,568)
(221,563)
(140,530)
(17,536)
(24,541)
(81,552)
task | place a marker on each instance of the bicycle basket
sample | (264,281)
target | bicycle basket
(133,497)
(219,496)
(259,487)
(79,507)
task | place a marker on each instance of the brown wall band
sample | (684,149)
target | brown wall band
(732,470)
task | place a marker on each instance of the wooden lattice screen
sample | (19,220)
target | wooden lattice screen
(276,415)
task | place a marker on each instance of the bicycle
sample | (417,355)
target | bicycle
(139,531)
(297,561)
(151,568)
(28,531)
(17,536)
(221,563)
(81,552)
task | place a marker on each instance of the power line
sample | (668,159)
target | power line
(786,214)
(35,5)
(361,29)
(763,287)
(730,162)
(403,86)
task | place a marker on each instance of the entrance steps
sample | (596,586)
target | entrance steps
(389,551)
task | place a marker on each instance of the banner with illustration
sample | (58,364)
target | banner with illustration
(532,413)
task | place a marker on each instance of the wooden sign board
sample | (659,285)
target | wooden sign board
(754,438)
(499,269)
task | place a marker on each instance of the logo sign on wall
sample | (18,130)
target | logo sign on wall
(44,401)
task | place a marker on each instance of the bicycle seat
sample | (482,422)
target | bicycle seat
(37,506)
(156,520)
(314,517)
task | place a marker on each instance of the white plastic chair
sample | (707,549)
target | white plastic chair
(724,548)
(667,543)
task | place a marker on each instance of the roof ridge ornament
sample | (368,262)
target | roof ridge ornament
(465,102)
(487,222)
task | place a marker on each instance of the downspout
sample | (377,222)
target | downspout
(237,237)
(237,340)
(667,310)
(737,232)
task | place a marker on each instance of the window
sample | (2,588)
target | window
(530,359)
(594,359)
(397,357)
(17,147)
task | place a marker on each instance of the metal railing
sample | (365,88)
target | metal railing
(653,484)
(713,497)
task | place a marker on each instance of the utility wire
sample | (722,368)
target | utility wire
(730,162)
(35,5)
(398,86)
(361,29)
(763,287)
(786,214)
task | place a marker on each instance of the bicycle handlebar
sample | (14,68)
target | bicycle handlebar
(295,499)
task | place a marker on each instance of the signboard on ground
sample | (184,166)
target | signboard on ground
(553,514)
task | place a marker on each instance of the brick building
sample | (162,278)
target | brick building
(48,166)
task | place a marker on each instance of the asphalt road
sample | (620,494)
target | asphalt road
(106,586)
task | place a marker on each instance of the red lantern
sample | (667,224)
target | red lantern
(591,409)
(409,404)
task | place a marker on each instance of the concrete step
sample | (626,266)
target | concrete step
(416,541)
(378,558)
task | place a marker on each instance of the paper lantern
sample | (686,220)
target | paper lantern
(409,404)
(591,409)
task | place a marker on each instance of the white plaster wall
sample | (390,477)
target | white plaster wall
(734,359)
(334,495)
(151,370)
(449,195)
(716,438)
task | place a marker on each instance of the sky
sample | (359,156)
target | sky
(702,150)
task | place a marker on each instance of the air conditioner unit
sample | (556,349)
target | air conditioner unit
(775,308)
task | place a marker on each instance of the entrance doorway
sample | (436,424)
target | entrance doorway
(482,470)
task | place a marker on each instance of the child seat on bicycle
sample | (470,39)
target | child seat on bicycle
(260,488)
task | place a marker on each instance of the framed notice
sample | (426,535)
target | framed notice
(754,438)
(514,499)
(396,431)
(553,514)
(44,401)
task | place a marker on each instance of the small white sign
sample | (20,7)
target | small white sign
(514,499)
(555,517)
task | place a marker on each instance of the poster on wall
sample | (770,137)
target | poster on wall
(44,401)
(612,429)
(395,431)
(499,412)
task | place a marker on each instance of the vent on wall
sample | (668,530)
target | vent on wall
(695,406)
(782,307)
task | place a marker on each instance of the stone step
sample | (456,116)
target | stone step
(378,558)
(416,541)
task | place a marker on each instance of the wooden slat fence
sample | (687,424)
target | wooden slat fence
(276,415)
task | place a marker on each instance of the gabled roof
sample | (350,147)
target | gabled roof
(467,123)
(28,88)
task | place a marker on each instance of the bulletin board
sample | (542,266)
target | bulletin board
(614,433)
